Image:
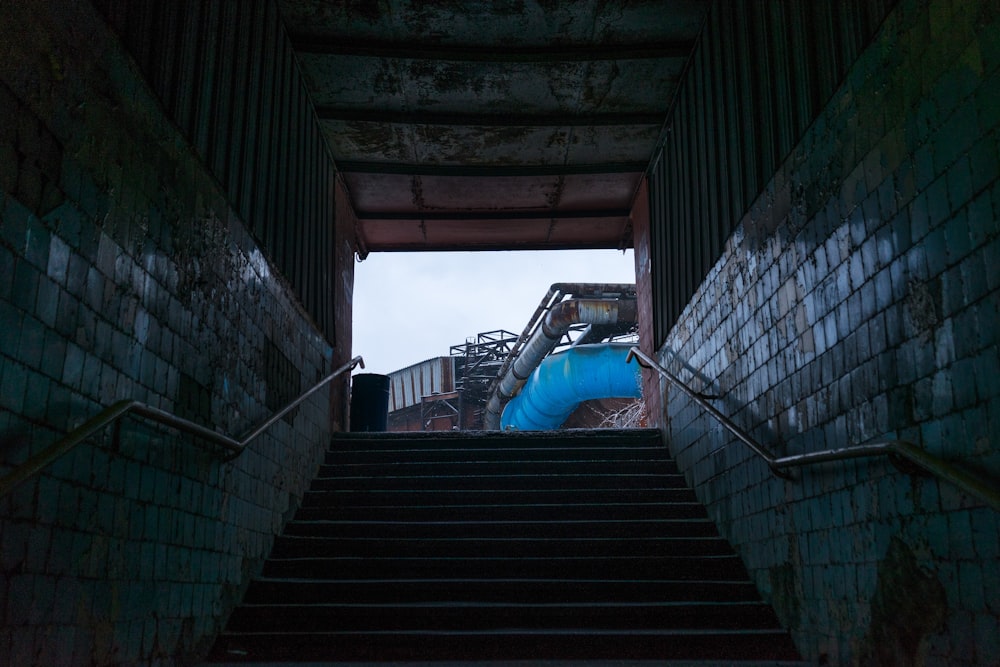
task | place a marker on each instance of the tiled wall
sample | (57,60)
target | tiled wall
(858,300)
(125,274)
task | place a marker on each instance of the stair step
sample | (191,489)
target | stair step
(510,529)
(483,617)
(511,644)
(726,567)
(235,660)
(578,548)
(423,497)
(579,439)
(485,482)
(479,591)
(478,468)
(470,462)
(287,546)
(503,512)
(444,454)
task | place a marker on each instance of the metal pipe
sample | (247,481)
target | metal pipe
(556,293)
(560,318)
(986,490)
(556,323)
(562,381)
(112,413)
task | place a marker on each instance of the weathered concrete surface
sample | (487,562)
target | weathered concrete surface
(410,93)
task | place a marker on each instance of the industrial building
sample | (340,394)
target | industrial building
(812,192)
(468,389)
(448,393)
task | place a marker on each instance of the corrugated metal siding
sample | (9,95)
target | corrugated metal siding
(760,74)
(409,385)
(225,73)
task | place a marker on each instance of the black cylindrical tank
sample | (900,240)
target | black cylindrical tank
(369,402)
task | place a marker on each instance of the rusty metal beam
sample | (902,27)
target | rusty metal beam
(491,246)
(494,215)
(360,167)
(324,45)
(488,119)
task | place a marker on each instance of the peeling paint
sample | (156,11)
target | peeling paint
(923,305)
(909,606)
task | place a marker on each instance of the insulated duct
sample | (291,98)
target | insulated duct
(557,322)
(564,380)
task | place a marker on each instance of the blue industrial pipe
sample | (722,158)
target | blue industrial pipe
(557,322)
(564,380)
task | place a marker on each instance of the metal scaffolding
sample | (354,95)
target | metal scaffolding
(477,362)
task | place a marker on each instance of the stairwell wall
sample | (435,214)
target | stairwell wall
(125,272)
(858,300)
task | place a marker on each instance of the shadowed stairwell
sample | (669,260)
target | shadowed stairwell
(812,194)
(582,545)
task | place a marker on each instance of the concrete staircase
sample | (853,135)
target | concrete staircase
(567,546)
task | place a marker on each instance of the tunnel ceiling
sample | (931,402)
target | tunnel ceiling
(492,124)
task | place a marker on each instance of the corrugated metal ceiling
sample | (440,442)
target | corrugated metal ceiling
(492,124)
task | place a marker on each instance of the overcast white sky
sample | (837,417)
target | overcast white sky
(409,307)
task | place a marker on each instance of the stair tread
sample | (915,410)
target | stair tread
(657,632)
(437,604)
(526,506)
(346,498)
(527,580)
(287,545)
(646,505)
(707,567)
(473,522)
(499,482)
(519,450)
(501,512)
(429,457)
(486,528)
(581,437)
(498,468)
(525,663)
(543,492)
(340,498)
(382,538)
(510,644)
(524,561)
(522,475)
(499,590)
(660,452)
(657,558)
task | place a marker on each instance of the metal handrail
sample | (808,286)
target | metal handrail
(985,490)
(112,413)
